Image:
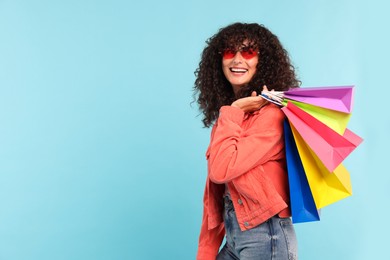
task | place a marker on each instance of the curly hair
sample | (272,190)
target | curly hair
(274,68)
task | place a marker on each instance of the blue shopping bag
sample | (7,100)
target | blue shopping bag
(303,208)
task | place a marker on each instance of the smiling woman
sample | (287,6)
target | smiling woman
(239,66)
(246,196)
(273,67)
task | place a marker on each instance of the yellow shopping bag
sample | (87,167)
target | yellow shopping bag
(326,187)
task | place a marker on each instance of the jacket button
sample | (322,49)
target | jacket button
(239,201)
(246,224)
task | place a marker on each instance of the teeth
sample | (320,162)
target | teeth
(238,70)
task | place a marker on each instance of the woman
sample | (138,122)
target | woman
(246,195)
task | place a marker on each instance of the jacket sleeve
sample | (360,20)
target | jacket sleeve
(210,237)
(209,241)
(234,151)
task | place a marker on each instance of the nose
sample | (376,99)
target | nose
(237,58)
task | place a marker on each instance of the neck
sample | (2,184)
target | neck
(236,89)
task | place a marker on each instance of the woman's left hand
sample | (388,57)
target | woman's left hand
(250,104)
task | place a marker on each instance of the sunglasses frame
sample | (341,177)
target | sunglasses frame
(243,51)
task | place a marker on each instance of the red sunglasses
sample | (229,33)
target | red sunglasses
(246,53)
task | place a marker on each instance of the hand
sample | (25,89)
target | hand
(250,104)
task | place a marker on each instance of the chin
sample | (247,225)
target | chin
(239,84)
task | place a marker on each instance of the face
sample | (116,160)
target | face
(239,67)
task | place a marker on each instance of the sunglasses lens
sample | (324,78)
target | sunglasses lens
(248,54)
(228,54)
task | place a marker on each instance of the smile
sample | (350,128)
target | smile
(238,70)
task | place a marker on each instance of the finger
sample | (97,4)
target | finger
(265,88)
(254,94)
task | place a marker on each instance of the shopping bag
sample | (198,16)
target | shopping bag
(303,208)
(326,187)
(330,147)
(334,119)
(339,98)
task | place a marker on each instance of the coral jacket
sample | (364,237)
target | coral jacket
(246,154)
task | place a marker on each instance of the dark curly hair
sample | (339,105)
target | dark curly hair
(274,68)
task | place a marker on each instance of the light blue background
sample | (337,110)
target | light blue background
(102,154)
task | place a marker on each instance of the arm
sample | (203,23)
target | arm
(234,151)
(209,240)
(212,230)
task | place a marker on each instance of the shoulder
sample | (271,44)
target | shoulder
(269,117)
(270,111)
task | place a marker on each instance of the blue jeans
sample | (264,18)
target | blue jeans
(272,240)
